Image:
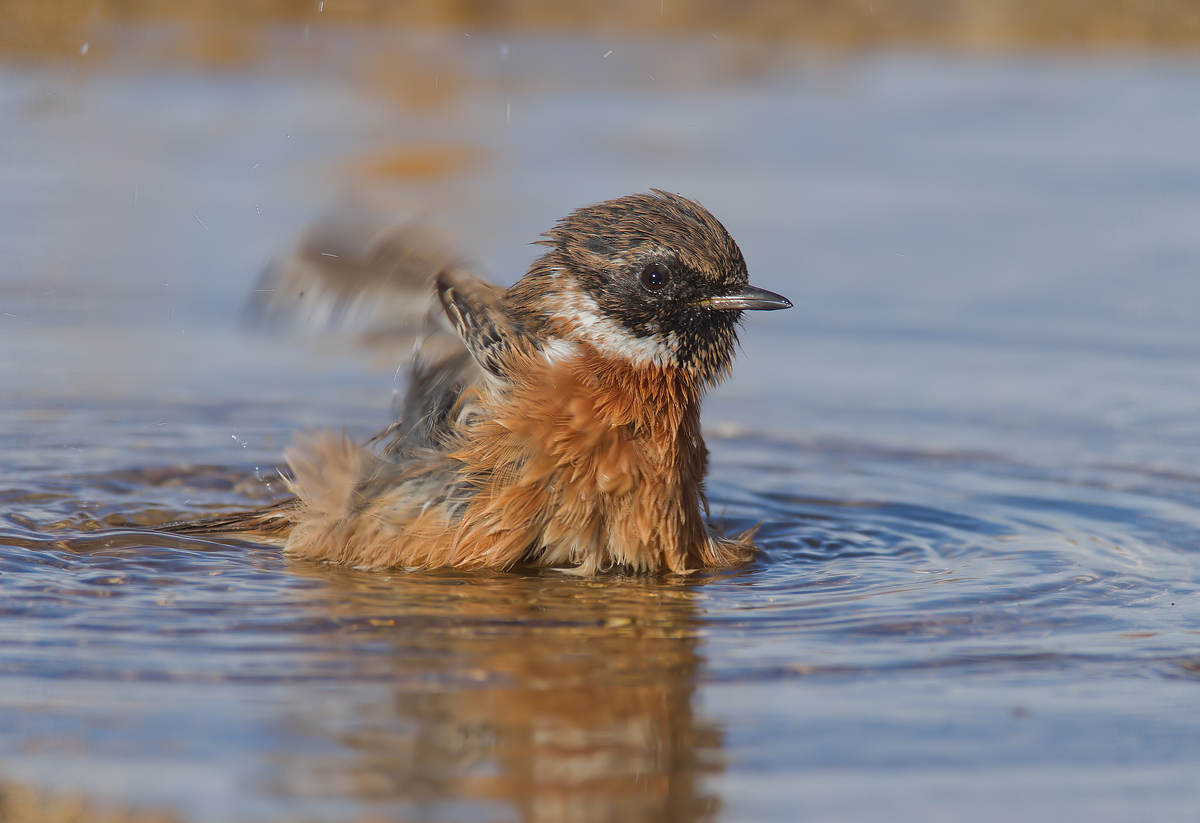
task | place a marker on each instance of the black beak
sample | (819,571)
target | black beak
(749,298)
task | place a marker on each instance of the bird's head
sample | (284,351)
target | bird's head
(651,278)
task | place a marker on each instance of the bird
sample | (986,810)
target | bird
(555,423)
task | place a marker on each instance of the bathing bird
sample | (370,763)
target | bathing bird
(555,423)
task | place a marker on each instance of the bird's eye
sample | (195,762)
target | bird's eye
(655,276)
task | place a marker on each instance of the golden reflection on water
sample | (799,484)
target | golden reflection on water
(419,162)
(566,699)
(21,803)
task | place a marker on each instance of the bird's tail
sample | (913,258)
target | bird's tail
(272,523)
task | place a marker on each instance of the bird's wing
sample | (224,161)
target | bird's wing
(484,339)
(358,270)
(476,311)
(354,270)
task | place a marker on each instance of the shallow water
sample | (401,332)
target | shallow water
(971,445)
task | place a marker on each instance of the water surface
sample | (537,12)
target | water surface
(972,444)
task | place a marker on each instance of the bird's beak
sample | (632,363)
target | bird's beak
(749,298)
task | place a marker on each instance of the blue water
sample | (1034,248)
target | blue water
(972,445)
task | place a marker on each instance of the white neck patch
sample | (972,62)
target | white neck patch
(606,335)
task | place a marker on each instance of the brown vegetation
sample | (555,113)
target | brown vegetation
(61,26)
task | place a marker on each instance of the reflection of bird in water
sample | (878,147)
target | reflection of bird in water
(520,697)
(558,425)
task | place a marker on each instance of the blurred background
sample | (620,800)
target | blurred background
(55,28)
(972,442)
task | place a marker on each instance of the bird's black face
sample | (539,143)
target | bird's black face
(657,297)
(661,281)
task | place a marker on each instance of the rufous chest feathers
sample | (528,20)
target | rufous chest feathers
(588,462)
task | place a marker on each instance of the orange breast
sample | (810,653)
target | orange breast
(590,463)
